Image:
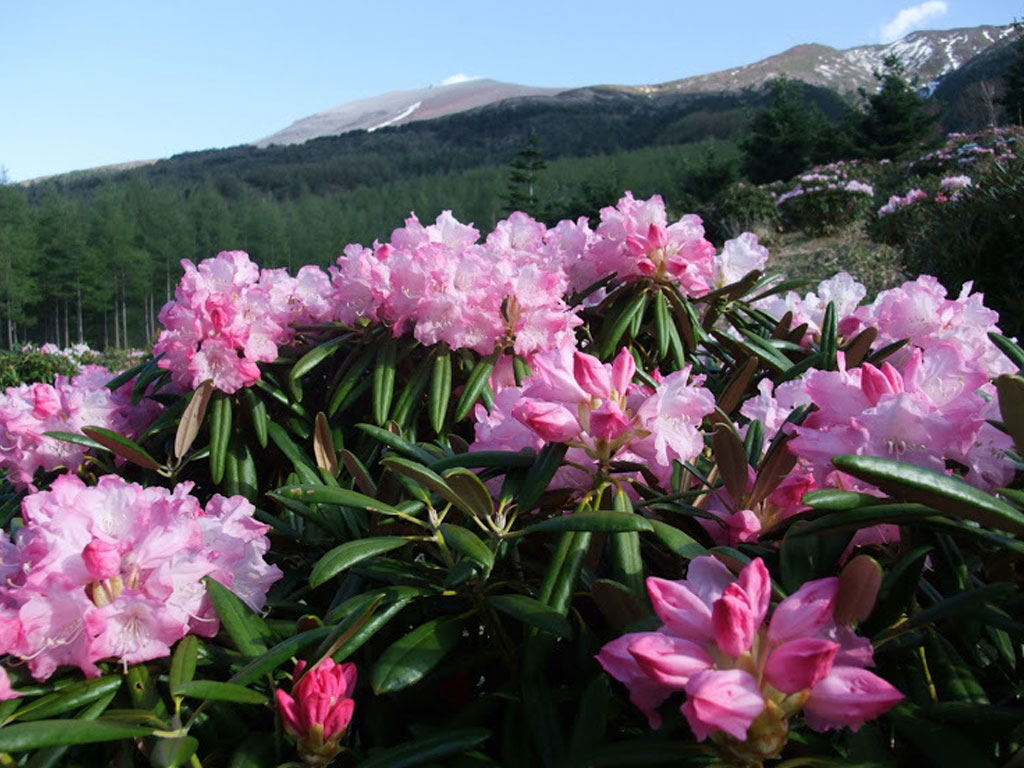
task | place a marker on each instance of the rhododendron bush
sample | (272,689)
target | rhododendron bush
(593,494)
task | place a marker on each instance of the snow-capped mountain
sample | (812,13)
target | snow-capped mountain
(927,56)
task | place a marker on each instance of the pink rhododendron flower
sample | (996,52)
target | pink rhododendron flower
(28,411)
(319,708)
(115,571)
(594,407)
(743,680)
(225,319)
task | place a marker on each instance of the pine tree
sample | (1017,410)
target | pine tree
(897,119)
(522,178)
(1013,80)
(784,135)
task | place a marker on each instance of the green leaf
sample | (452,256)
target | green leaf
(384,380)
(835,500)
(348,554)
(278,655)
(946,494)
(426,477)
(475,385)
(121,446)
(681,543)
(603,521)
(183,662)
(304,466)
(440,387)
(945,747)
(504,459)
(471,490)
(398,443)
(468,543)
(829,338)
(532,612)
(21,737)
(77,439)
(220,434)
(1008,348)
(173,752)
(249,632)
(412,395)
(342,497)
(72,697)
(662,321)
(217,691)
(865,517)
(408,660)
(622,321)
(257,412)
(438,744)
(897,591)
(315,356)
(539,476)
(353,377)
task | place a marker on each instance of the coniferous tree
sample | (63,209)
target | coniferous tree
(897,119)
(18,285)
(1013,80)
(784,135)
(522,178)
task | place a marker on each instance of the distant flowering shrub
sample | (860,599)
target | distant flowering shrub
(825,199)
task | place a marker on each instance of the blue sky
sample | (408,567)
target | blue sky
(84,84)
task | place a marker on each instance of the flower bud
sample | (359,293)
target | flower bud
(317,712)
(859,583)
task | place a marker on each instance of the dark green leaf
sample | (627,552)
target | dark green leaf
(941,492)
(406,661)
(121,446)
(249,632)
(384,380)
(603,521)
(440,387)
(21,737)
(475,385)
(532,612)
(217,691)
(348,554)
(220,418)
(183,662)
(436,745)
(72,697)
(468,543)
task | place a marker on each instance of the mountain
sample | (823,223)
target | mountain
(928,56)
(399,107)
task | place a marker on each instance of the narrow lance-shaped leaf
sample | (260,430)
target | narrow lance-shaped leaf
(323,446)
(121,446)
(384,381)
(192,419)
(220,434)
(249,632)
(440,387)
(406,661)
(475,385)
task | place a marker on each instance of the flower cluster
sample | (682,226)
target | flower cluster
(29,411)
(743,679)
(115,571)
(319,708)
(227,316)
(896,202)
(438,281)
(597,410)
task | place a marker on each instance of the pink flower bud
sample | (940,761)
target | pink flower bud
(669,660)
(608,422)
(849,696)
(800,664)
(727,700)
(657,236)
(45,401)
(318,710)
(553,422)
(734,621)
(623,370)
(875,383)
(102,559)
(591,374)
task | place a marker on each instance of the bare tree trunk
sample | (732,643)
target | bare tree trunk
(117,327)
(106,332)
(81,324)
(124,316)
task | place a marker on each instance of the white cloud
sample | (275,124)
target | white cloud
(912,18)
(459,78)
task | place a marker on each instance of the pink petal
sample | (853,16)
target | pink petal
(800,664)
(623,370)
(682,611)
(733,620)
(849,696)
(805,612)
(591,374)
(727,700)
(669,660)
